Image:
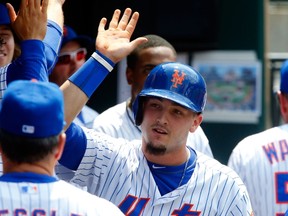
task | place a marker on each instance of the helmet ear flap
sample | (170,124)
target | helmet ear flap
(138,110)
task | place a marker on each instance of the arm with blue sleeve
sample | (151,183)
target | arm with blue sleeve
(82,83)
(52,44)
(31,64)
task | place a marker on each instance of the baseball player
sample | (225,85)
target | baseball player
(262,163)
(32,139)
(118,121)
(159,175)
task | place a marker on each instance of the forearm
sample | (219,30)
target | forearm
(83,83)
(52,42)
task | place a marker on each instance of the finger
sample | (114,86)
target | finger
(23,4)
(125,19)
(102,24)
(31,4)
(138,41)
(45,6)
(114,21)
(11,11)
(132,23)
(36,4)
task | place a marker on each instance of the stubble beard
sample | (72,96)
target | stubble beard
(155,150)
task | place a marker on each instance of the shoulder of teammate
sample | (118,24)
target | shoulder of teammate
(105,207)
(106,120)
(93,204)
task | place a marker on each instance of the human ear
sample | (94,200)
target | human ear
(196,122)
(129,76)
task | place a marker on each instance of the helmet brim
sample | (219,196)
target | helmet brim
(173,96)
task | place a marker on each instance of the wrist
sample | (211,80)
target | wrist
(102,59)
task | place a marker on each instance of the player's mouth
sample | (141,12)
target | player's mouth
(2,54)
(159,130)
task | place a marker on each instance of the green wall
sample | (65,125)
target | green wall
(241,27)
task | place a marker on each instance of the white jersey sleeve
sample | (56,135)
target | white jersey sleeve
(54,198)
(261,160)
(117,170)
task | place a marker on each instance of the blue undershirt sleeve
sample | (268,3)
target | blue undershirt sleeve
(75,147)
(52,43)
(31,64)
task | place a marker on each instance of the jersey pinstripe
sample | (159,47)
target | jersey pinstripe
(118,171)
(3,84)
(55,198)
(261,160)
(118,122)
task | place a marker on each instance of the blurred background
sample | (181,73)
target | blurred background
(253,31)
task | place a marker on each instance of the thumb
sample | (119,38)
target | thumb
(11,11)
(138,41)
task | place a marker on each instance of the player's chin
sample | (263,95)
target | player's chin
(155,148)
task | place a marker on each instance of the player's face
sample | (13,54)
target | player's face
(165,127)
(147,60)
(65,68)
(7,45)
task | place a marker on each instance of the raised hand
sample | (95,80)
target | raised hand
(31,20)
(114,42)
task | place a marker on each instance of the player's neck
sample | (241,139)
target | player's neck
(40,168)
(169,159)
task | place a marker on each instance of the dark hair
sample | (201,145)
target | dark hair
(21,149)
(153,41)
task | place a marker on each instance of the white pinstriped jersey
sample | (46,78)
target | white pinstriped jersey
(3,84)
(261,160)
(118,122)
(86,117)
(118,171)
(55,198)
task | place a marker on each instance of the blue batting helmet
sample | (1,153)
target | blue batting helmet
(176,82)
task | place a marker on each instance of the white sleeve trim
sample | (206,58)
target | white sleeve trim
(102,61)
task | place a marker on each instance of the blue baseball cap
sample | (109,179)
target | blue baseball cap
(32,109)
(284,77)
(70,35)
(4,15)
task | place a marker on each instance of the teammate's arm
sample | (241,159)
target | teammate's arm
(52,40)
(30,27)
(112,45)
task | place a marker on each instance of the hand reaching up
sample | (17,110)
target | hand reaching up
(31,19)
(114,42)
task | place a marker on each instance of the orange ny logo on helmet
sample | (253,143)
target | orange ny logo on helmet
(177,79)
